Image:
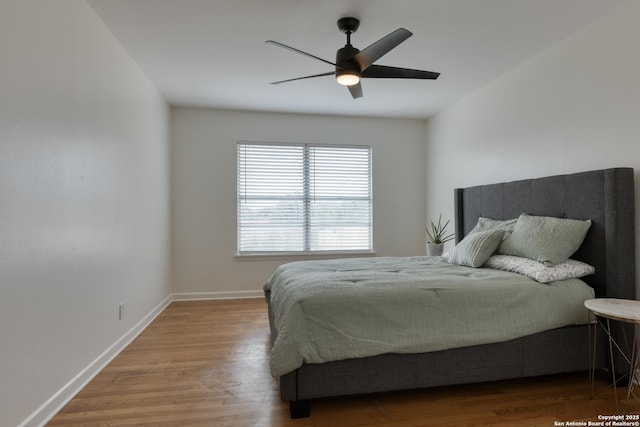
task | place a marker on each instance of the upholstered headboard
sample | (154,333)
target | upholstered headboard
(606,197)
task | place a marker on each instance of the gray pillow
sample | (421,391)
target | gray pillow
(545,239)
(487,224)
(476,248)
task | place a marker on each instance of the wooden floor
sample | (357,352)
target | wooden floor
(205,363)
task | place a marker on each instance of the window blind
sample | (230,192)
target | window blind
(303,198)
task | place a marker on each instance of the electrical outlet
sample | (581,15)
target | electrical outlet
(121,311)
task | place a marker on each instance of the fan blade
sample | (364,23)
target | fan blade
(378,49)
(385,72)
(356,90)
(298,51)
(329,73)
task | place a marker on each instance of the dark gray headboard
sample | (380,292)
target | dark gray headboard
(604,196)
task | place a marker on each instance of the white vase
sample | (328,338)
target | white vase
(434,249)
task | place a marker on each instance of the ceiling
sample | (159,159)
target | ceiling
(211,53)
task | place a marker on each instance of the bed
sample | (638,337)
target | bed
(605,197)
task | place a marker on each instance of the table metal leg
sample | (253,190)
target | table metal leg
(613,367)
(593,332)
(633,363)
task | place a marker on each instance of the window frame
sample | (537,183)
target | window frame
(306,203)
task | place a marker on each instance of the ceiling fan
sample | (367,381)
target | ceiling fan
(353,64)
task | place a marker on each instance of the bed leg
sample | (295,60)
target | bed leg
(299,408)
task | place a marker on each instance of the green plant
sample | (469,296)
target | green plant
(437,233)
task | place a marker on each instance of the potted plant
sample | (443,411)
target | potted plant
(437,236)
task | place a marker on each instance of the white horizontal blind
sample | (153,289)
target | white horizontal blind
(303,198)
(339,198)
(271,201)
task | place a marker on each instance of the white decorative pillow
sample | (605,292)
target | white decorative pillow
(537,271)
(475,248)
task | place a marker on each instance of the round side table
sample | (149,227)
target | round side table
(619,310)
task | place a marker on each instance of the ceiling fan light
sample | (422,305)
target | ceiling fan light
(348,79)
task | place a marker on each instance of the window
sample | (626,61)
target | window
(303,198)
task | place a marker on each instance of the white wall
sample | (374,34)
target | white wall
(84,203)
(203,163)
(574,107)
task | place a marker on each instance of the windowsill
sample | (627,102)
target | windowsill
(298,255)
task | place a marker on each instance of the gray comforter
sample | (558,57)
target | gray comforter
(349,308)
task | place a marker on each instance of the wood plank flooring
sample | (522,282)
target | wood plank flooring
(205,363)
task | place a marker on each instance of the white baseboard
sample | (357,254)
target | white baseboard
(56,402)
(195,296)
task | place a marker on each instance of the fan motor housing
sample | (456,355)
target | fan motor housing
(344,55)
